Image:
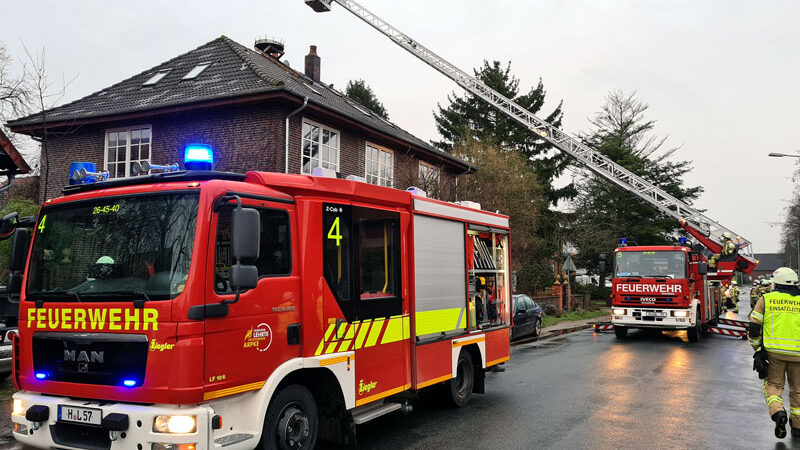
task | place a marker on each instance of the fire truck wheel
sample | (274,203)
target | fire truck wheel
(292,421)
(694,332)
(461,386)
(621,332)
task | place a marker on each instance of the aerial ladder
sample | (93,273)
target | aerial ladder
(707,231)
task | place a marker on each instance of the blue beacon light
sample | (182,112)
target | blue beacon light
(198,157)
(623,241)
(129,383)
(41,375)
(682,240)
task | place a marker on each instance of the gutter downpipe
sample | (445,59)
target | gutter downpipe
(286,144)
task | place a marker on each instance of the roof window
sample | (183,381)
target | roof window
(196,70)
(156,78)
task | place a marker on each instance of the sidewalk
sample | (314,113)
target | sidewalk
(585,323)
(564,328)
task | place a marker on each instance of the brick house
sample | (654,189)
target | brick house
(241,102)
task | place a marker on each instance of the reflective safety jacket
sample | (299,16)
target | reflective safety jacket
(728,248)
(781,323)
(755,292)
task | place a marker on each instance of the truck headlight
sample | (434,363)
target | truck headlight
(19,408)
(618,311)
(680,313)
(175,424)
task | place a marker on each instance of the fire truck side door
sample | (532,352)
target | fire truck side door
(244,347)
(363,251)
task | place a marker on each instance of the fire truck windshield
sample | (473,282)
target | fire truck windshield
(650,264)
(114,248)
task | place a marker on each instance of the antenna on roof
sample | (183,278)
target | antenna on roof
(271,47)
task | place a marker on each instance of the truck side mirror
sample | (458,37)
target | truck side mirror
(243,276)
(245,233)
(19,249)
(245,243)
(8,224)
(702,268)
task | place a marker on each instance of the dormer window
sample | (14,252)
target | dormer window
(156,78)
(196,70)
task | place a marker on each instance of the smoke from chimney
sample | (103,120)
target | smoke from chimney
(313,64)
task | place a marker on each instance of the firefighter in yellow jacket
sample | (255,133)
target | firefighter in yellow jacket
(728,250)
(775,325)
(755,293)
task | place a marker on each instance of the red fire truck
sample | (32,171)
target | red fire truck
(662,287)
(197,309)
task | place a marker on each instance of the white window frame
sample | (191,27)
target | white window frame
(423,167)
(321,127)
(379,175)
(127,131)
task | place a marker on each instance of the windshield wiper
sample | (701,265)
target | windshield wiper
(658,276)
(40,297)
(137,302)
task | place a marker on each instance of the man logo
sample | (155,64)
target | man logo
(83,356)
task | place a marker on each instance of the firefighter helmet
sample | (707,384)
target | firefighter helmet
(727,235)
(785,276)
(733,282)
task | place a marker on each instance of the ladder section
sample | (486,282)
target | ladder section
(592,159)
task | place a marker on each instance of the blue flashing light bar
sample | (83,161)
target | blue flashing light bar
(129,383)
(623,242)
(41,375)
(198,157)
(76,167)
(683,240)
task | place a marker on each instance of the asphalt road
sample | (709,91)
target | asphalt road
(588,390)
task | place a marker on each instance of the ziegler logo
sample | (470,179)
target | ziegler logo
(83,356)
(156,346)
(362,388)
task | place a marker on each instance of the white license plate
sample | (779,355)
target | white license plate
(77,414)
(654,314)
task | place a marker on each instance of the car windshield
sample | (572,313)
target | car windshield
(113,249)
(650,264)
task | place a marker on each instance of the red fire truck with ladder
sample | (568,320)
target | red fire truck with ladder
(706,231)
(668,288)
(196,309)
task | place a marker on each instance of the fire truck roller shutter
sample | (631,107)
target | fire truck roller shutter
(440,284)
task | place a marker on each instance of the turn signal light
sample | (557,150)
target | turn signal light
(618,311)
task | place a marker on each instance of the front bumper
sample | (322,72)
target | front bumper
(53,433)
(653,318)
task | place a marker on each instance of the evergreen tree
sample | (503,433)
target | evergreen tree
(603,212)
(469,116)
(358,91)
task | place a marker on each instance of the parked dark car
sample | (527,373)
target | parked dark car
(527,317)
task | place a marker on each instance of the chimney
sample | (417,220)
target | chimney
(312,64)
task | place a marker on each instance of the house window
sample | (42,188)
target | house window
(125,146)
(320,148)
(428,173)
(379,166)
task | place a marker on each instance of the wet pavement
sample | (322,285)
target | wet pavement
(591,390)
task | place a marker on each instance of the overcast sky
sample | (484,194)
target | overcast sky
(721,77)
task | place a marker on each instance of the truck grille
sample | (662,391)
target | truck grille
(90,358)
(80,436)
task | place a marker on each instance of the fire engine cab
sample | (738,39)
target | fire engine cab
(196,309)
